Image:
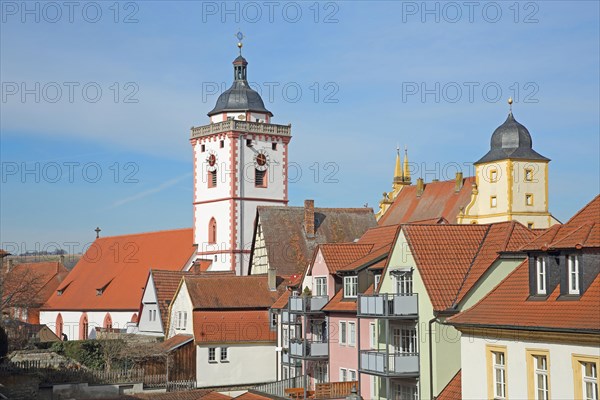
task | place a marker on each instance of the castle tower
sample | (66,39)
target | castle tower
(240,162)
(511,181)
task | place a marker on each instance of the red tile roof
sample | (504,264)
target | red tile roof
(507,306)
(251,395)
(282,301)
(166,284)
(338,303)
(248,326)
(438,200)
(198,394)
(122,262)
(453,390)
(289,248)
(582,230)
(341,254)
(370,259)
(232,292)
(451,258)
(40,280)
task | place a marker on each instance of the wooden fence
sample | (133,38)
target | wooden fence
(334,390)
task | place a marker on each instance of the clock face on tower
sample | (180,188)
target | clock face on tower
(211,161)
(261,160)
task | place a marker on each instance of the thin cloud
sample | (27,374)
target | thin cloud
(152,191)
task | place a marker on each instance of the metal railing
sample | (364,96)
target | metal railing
(307,304)
(309,348)
(388,305)
(278,388)
(389,364)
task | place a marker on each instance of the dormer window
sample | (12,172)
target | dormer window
(573,271)
(540,275)
(350,286)
(321,286)
(377,279)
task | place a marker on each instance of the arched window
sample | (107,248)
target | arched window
(83,327)
(134,318)
(107,324)
(212,231)
(59,326)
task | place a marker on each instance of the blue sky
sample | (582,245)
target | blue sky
(355,79)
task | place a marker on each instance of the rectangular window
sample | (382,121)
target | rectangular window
(541,377)
(203,148)
(260,178)
(352,375)
(285,372)
(351,334)
(496,371)
(404,340)
(212,179)
(372,333)
(528,174)
(178,320)
(222,144)
(249,142)
(285,338)
(573,268)
(350,286)
(585,377)
(321,286)
(224,354)
(528,199)
(184,319)
(406,391)
(343,332)
(530,225)
(493,201)
(404,284)
(343,374)
(493,175)
(212,354)
(274,146)
(377,279)
(540,273)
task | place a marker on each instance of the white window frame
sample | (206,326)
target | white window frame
(343,339)
(212,354)
(351,286)
(372,335)
(540,275)
(591,380)
(377,280)
(573,271)
(285,338)
(404,283)
(352,375)
(224,354)
(351,333)
(184,325)
(343,374)
(499,374)
(541,371)
(320,284)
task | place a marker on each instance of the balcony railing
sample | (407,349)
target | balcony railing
(286,359)
(389,364)
(245,126)
(307,304)
(388,305)
(290,318)
(302,348)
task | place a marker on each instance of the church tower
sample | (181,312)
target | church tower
(511,181)
(240,162)
(401,179)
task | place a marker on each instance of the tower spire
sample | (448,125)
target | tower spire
(510,102)
(398,170)
(406,172)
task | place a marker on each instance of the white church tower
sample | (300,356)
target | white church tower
(240,162)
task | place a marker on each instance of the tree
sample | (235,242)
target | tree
(18,289)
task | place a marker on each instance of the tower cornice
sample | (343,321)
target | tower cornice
(241,126)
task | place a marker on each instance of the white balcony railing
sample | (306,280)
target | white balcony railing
(389,364)
(388,305)
(309,349)
(307,304)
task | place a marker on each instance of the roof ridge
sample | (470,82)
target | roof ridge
(144,233)
(509,236)
(576,230)
(583,208)
(487,231)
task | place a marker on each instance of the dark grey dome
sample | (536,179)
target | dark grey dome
(511,140)
(240,96)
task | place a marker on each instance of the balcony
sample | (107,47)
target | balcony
(244,126)
(392,365)
(286,359)
(388,305)
(302,348)
(290,318)
(307,304)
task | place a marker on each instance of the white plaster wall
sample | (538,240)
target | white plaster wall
(220,211)
(537,187)
(260,260)
(181,302)
(247,154)
(474,368)
(247,364)
(120,320)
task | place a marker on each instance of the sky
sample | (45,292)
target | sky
(98,99)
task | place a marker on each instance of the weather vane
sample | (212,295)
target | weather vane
(240,36)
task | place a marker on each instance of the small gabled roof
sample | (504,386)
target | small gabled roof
(438,202)
(282,301)
(165,285)
(581,231)
(174,342)
(453,390)
(507,307)
(375,257)
(224,292)
(452,258)
(339,255)
(127,259)
(247,326)
(290,249)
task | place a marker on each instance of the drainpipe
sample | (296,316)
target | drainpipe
(431,322)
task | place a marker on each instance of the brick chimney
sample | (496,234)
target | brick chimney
(458,182)
(420,187)
(309,218)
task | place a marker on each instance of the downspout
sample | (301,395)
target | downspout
(431,322)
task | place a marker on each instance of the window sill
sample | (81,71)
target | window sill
(212,362)
(224,361)
(569,297)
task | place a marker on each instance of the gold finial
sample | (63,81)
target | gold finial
(510,102)
(398,168)
(406,172)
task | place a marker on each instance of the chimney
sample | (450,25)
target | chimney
(61,259)
(309,218)
(272,279)
(9,265)
(420,187)
(196,267)
(458,182)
